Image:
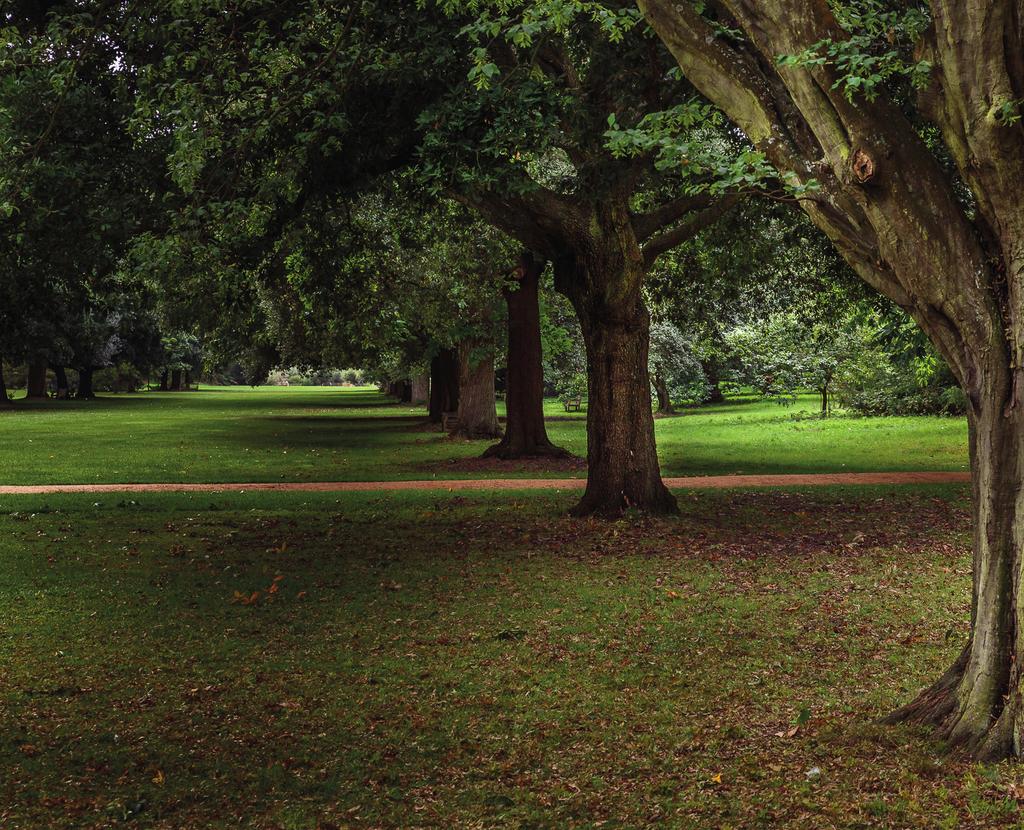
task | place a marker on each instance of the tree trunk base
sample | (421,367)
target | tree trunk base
(477,434)
(978,733)
(611,502)
(507,451)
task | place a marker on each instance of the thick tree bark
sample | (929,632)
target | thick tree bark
(977,704)
(62,381)
(444,384)
(898,216)
(176,380)
(3,384)
(478,417)
(525,433)
(85,385)
(420,390)
(35,386)
(603,280)
(622,458)
(664,398)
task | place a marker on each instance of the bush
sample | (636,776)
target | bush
(875,384)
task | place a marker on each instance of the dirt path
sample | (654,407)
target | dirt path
(694,482)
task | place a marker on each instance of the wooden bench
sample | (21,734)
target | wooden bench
(573,404)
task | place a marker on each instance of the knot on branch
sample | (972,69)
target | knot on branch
(863,166)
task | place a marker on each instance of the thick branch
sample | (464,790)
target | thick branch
(649,223)
(540,219)
(688,228)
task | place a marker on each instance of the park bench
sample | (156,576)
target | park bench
(573,404)
(449,421)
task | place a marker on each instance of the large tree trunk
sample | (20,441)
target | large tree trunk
(3,384)
(525,433)
(85,392)
(478,417)
(176,380)
(664,398)
(35,386)
(603,280)
(444,384)
(622,459)
(899,217)
(420,390)
(977,704)
(163,380)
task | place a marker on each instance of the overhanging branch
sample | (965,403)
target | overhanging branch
(688,228)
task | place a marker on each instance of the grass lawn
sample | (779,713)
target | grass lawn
(306,434)
(408,660)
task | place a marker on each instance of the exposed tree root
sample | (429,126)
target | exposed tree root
(945,707)
(505,451)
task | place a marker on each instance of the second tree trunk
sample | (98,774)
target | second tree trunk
(525,433)
(444,384)
(35,386)
(477,415)
(85,384)
(420,389)
(664,398)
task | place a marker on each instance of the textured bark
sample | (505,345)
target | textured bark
(604,285)
(664,398)
(525,433)
(85,385)
(977,703)
(420,393)
(893,211)
(622,458)
(478,417)
(35,386)
(444,384)
(3,384)
(176,380)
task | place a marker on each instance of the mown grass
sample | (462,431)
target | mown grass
(303,434)
(414,660)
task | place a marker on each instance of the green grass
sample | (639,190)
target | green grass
(431,661)
(304,434)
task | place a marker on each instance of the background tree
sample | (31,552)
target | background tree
(675,369)
(75,188)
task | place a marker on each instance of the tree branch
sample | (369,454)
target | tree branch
(647,224)
(688,229)
(540,219)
